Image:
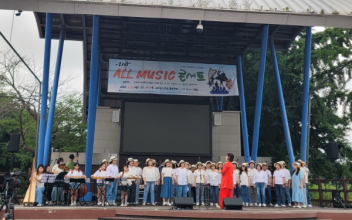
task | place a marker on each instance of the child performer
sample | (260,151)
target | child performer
(124,184)
(101,184)
(76,172)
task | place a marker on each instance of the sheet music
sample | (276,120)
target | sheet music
(48,178)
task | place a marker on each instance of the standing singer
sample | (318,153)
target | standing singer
(226,186)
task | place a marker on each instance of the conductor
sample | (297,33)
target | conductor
(226,186)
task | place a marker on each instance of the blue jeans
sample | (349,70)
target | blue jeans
(138,183)
(182,191)
(189,190)
(149,188)
(280,192)
(288,196)
(235,191)
(111,192)
(200,187)
(309,199)
(260,190)
(268,193)
(245,194)
(213,194)
(39,194)
(57,194)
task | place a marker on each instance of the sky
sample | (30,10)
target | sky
(25,39)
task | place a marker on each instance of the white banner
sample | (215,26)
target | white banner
(194,79)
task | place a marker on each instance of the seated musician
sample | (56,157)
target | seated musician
(75,172)
(124,184)
(57,193)
(39,186)
(102,173)
(48,190)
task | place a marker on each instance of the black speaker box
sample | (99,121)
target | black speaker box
(183,202)
(332,151)
(232,203)
(13,145)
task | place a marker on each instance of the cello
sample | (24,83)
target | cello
(30,194)
(83,189)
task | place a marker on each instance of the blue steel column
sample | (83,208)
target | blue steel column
(258,106)
(53,96)
(243,110)
(307,53)
(45,83)
(92,108)
(282,103)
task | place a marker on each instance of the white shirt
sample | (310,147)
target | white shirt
(268,174)
(167,171)
(149,174)
(56,169)
(191,178)
(304,174)
(101,173)
(307,173)
(236,176)
(126,182)
(113,170)
(39,184)
(287,175)
(139,171)
(278,175)
(260,177)
(182,176)
(214,178)
(74,173)
(244,179)
(132,171)
(200,176)
(207,172)
(251,174)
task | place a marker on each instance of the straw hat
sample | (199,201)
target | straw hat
(297,164)
(212,164)
(167,161)
(252,161)
(264,164)
(260,164)
(181,161)
(173,162)
(278,164)
(130,159)
(235,162)
(199,163)
(113,158)
(147,160)
(105,160)
(208,162)
(187,164)
(154,161)
(282,162)
(244,165)
(219,163)
(194,166)
(136,161)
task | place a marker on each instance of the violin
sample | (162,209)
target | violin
(63,167)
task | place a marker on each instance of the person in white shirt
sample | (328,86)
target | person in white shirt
(113,171)
(207,170)
(236,179)
(139,174)
(269,184)
(260,180)
(191,181)
(245,184)
(101,172)
(280,184)
(219,166)
(189,176)
(252,190)
(199,180)
(174,187)
(305,180)
(39,186)
(57,195)
(76,172)
(150,180)
(125,184)
(288,182)
(214,181)
(167,181)
(181,180)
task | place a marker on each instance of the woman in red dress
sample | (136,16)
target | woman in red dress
(226,186)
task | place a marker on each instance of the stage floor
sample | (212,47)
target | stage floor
(166,212)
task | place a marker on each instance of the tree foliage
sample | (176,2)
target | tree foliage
(330,105)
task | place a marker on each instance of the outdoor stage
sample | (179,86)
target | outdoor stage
(165,212)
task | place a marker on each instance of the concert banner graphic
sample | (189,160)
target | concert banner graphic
(172,78)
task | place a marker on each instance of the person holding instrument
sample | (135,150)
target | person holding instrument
(101,172)
(57,193)
(39,186)
(75,172)
(71,162)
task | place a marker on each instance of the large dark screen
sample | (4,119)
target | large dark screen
(171,129)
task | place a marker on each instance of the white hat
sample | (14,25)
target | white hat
(181,161)
(173,162)
(297,164)
(113,158)
(244,164)
(105,160)
(280,164)
(219,163)
(235,162)
(194,166)
(148,159)
(212,164)
(130,159)
(167,161)
(136,161)
(199,163)
(208,162)
(252,161)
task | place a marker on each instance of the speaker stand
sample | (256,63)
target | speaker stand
(12,156)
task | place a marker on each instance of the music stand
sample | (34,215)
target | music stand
(48,180)
(74,188)
(59,182)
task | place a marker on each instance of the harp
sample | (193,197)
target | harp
(30,194)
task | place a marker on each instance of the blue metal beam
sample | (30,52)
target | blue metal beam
(282,103)
(53,96)
(92,109)
(243,110)
(258,106)
(307,53)
(45,84)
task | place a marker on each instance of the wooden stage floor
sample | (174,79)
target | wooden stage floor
(165,212)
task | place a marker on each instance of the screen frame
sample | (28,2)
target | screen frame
(210,154)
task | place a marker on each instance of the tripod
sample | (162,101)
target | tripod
(336,198)
(7,202)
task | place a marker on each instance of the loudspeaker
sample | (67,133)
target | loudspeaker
(332,151)
(232,203)
(13,145)
(183,202)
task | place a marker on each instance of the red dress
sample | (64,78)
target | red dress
(226,186)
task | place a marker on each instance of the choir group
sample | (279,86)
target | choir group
(252,182)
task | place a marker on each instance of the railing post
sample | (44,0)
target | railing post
(320,188)
(344,187)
